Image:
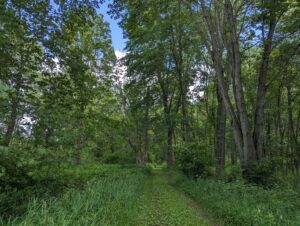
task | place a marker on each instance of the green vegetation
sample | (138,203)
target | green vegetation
(92,195)
(161,204)
(206,87)
(237,203)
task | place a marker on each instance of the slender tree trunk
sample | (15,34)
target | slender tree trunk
(167,100)
(233,156)
(220,135)
(12,122)
(170,154)
(292,132)
(146,128)
(185,119)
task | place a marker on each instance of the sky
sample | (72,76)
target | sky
(118,40)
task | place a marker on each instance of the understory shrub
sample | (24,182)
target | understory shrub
(194,160)
(261,173)
(233,173)
(22,166)
(118,157)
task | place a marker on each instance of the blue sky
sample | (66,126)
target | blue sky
(116,32)
(118,40)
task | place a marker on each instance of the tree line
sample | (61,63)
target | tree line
(206,83)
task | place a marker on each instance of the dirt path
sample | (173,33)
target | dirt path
(161,205)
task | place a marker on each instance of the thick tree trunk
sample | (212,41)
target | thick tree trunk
(220,135)
(249,152)
(237,134)
(261,93)
(216,52)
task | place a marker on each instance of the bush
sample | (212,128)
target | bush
(118,157)
(194,161)
(261,173)
(25,165)
(233,173)
(148,169)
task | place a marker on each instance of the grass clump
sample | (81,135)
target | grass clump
(105,201)
(62,198)
(237,203)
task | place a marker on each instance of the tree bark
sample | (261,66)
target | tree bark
(220,135)
(11,123)
(240,125)
(261,92)
(216,52)
(292,131)
(249,152)
(167,96)
(146,128)
(170,154)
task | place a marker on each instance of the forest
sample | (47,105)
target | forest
(195,122)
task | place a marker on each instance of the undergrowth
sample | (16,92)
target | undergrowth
(83,195)
(237,203)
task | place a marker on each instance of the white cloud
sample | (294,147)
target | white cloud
(120,69)
(120,54)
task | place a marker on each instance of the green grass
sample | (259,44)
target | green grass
(103,202)
(111,195)
(81,195)
(117,195)
(237,203)
(161,204)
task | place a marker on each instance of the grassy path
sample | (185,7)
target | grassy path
(163,205)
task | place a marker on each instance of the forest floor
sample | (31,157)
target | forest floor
(163,204)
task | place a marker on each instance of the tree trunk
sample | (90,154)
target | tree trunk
(249,152)
(11,123)
(216,51)
(233,156)
(220,135)
(292,131)
(146,128)
(185,120)
(170,154)
(261,92)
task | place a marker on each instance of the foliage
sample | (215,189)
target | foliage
(64,183)
(25,166)
(233,173)
(118,157)
(208,86)
(194,160)
(102,201)
(262,172)
(237,203)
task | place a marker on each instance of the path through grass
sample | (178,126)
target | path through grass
(161,204)
(125,198)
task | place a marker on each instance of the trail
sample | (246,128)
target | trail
(163,205)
